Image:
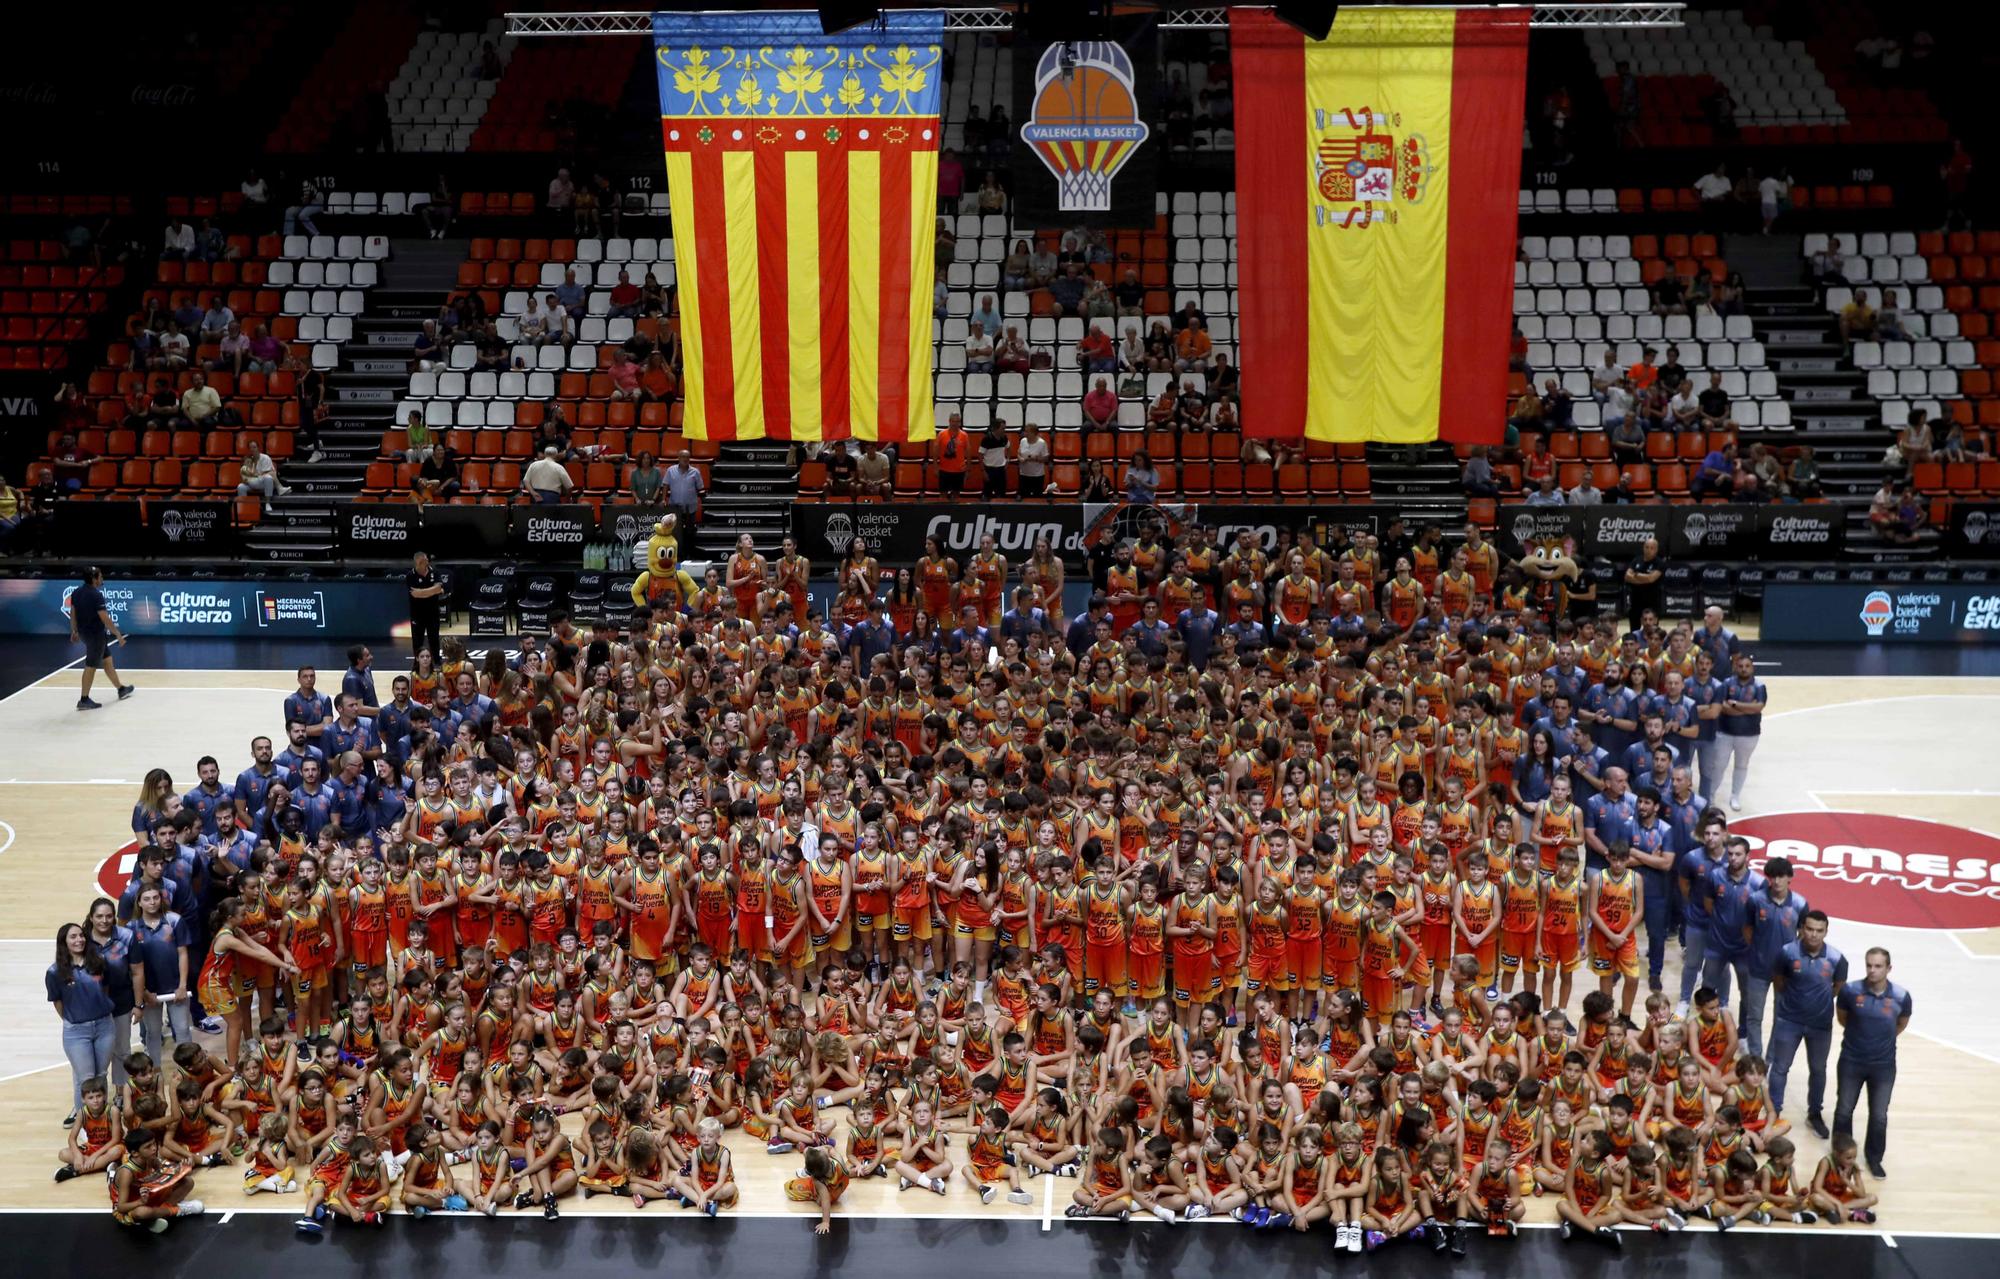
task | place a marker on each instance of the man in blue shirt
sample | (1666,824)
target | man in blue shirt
(1248,632)
(1024,621)
(1600,704)
(1806,975)
(1654,857)
(308,706)
(229,842)
(253,781)
(392,722)
(1149,632)
(1570,678)
(469,702)
(1741,724)
(1082,632)
(966,632)
(869,638)
(1732,892)
(210,796)
(360,679)
(1774,925)
(1198,628)
(1716,640)
(1587,761)
(1607,818)
(1705,691)
(1697,860)
(291,760)
(349,732)
(1638,757)
(313,799)
(1873,1013)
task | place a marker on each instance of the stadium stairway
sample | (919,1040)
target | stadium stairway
(751,489)
(1422,482)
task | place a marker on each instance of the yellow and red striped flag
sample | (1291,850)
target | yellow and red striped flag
(802,171)
(1376,173)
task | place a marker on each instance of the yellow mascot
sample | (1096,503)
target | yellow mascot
(663,582)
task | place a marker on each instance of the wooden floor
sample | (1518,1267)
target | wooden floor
(68,781)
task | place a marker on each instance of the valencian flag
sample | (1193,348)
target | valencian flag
(802,169)
(1376,173)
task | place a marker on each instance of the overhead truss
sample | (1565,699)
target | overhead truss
(634,22)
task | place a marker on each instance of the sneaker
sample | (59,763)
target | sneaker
(1724,1222)
(1164,1214)
(1124,1215)
(1276,1220)
(307,1226)
(1355,1240)
(207,1025)
(1805,1216)
(1069,1170)
(1866,1216)
(986,1194)
(1076,1210)
(125,691)
(1761,1217)
(64,1173)
(291,1187)
(89,704)
(1736,803)
(1610,1238)
(937,1184)
(157,1225)
(1195,1212)
(1436,1234)
(1242,1214)
(523,1199)
(1457,1232)
(1681,1010)
(191,1208)
(419,1211)
(902,1183)
(1819,1128)
(69,1120)
(1019,1197)
(373,1218)
(1566,1231)
(1875,1170)
(779,1148)
(1373,1239)
(1675,1220)
(711,1207)
(549,1212)
(493,1210)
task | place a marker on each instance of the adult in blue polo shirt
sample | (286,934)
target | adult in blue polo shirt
(1705,690)
(291,760)
(1733,888)
(1607,817)
(1198,628)
(308,705)
(162,972)
(359,682)
(1653,855)
(253,781)
(1806,975)
(1560,725)
(351,805)
(1570,678)
(1149,633)
(1697,860)
(1873,1013)
(392,721)
(1741,724)
(76,986)
(210,795)
(314,799)
(1601,703)
(1024,621)
(1775,916)
(349,732)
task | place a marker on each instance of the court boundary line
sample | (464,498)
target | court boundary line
(40,681)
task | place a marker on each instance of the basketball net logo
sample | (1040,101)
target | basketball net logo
(1359,168)
(1085,123)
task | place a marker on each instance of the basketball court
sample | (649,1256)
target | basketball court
(1854,774)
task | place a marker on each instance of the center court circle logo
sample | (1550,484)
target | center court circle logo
(117,870)
(1877,611)
(1898,871)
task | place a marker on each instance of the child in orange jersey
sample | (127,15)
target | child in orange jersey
(1444,1197)
(1838,1189)
(1475,914)
(1617,904)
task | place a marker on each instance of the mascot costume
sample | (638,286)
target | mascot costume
(1551,573)
(663,583)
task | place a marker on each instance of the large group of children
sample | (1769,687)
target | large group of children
(1281,927)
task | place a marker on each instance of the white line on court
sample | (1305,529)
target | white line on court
(23,1074)
(1888,1239)
(41,681)
(10,837)
(1048,1203)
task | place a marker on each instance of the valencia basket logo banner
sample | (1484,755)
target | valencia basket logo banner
(1087,135)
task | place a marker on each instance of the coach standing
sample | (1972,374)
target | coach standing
(1741,725)
(1806,975)
(1873,1013)
(426,605)
(91,625)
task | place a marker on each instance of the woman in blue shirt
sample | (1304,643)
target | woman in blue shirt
(158,800)
(76,987)
(1535,771)
(113,943)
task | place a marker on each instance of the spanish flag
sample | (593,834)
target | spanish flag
(1376,173)
(802,171)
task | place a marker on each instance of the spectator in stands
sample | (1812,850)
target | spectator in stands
(1914,441)
(1190,407)
(1042,267)
(493,353)
(1223,421)
(233,349)
(1014,269)
(1956,448)
(992,196)
(1192,348)
(1642,375)
(1031,460)
(1012,355)
(1526,415)
(986,315)
(312,203)
(17,509)
(188,314)
(1652,409)
(1770,472)
(1558,408)
(589,209)
(684,487)
(624,373)
(1699,293)
(256,193)
(1224,379)
(560,320)
(1715,189)
(1828,265)
(1891,516)
(571,295)
(553,433)
(1160,413)
(1626,436)
(946,251)
(646,479)
(1672,373)
(1585,492)
(1480,480)
(625,298)
(1068,289)
(1098,302)
(437,480)
(547,480)
(417,439)
(978,349)
(993,445)
(1130,294)
(1774,196)
(1727,299)
(1546,493)
(439,209)
(658,383)
(177,241)
(1714,402)
(533,322)
(164,406)
(1889,319)
(1684,409)
(201,406)
(70,462)
(652,296)
(1536,462)
(259,473)
(1802,477)
(940,298)
(1095,353)
(427,348)
(1605,376)
(1095,485)
(1718,470)
(561,200)
(211,245)
(1142,478)
(951,180)
(874,471)
(1100,406)
(954,453)
(170,349)
(1669,296)
(1072,250)
(1857,318)
(1159,348)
